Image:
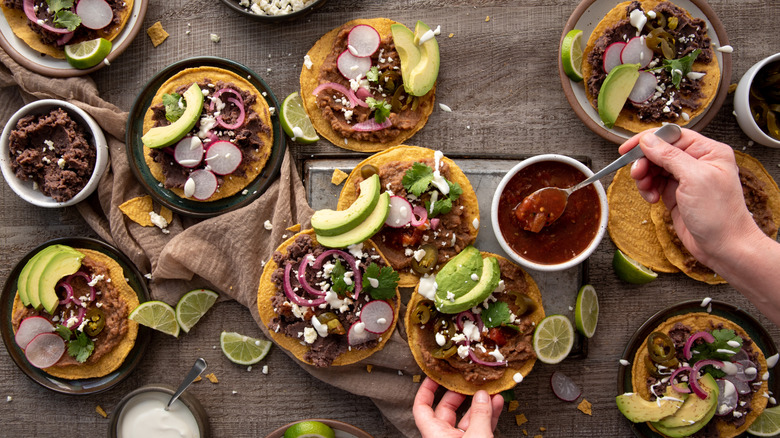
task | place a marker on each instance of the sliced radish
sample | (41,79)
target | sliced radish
(223,157)
(189,151)
(644,88)
(45,350)
(94,14)
(612,56)
(400,212)
(747,371)
(727,397)
(363,40)
(742,386)
(204,184)
(353,67)
(636,52)
(30,328)
(378,316)
(358,334)
(564,387)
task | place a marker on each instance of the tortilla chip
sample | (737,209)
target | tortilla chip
(455,381)
(704,322)
(137,210)
(520,419)
(157,34)
(338,176)
(414,153)
(101,411)
(267,289)
(513,405)
(212,378)
(231,184)
(585,407)
(630,226)
(310,80)
(295,228)
(628,119)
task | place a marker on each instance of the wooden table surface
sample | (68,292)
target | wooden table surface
(500,79)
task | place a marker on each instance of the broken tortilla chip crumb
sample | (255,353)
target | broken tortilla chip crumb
(537,436)
(157,34)
(487,18)
(525,432)
(513,405)
(101,411)
(416,378)
(137,210)
(369,368)
(520,419)
(338,176)
(732,88)
(295,228)
(585,407)
(197,379)
(450,35)
(542,429)
(212,378)
(166,213)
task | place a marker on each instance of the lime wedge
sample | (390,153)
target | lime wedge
(553,339)
(586,311)
(309,429)
(571,55)
(631,271)
(88,53)
(157,315)
(767,423)
(295,121)
(243,350)
(192,306)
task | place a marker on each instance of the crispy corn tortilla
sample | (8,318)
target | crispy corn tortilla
(230,184)
(455,381)
(309,81)
(267,289)
(628,119)
(414,153)
(703,322)
(114,358)
(18,22)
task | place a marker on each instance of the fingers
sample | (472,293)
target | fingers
(498,405)
(480,422)
(447,406)
(423,401)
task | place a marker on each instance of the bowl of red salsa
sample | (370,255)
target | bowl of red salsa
(567,241)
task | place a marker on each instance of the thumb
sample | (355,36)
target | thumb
(481,412)
(662,154)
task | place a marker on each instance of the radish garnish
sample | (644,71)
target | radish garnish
(742,386)
(29,10)
(30,328)
(746,371)
(363,40)
(400,212)
(94,14)
(727,397)
(353,67)
(643,88)
(223,157)
(378,316)
(189,151)
(371,125)
(45,350)
(612,56)
(358,334)
(564,387)
(203,183)
(636,52)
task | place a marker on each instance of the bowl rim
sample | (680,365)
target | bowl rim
(189,400)
(581,257)
(233,4)
(747,123)
(98,140)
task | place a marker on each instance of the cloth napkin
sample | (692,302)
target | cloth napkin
(225,252)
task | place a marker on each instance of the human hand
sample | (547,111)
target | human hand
(479,421)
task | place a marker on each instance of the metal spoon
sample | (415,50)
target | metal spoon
(195,371)
(547,204)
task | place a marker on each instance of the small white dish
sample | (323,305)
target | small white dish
(25,188)
(742,104)
(577,259)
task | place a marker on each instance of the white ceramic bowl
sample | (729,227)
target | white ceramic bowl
(25,188)
(579,258)
(742,105)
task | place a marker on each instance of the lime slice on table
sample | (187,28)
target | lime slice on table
(88,53)
(243,350)
(295,121)
(309,429)
(571,55)
(767,423)
(553,339)
(192,306)
(629,270)
(157,315)
(586,311)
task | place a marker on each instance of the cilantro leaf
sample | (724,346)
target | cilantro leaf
(174,106)
(455,190)
(373,74)
(441,206)
(417,179)
(496,314)
(338,278)
(67,19)
(387,280)
(57,5)
(63,331)
(81,347)
(718,350)
(380,107)
(680,67)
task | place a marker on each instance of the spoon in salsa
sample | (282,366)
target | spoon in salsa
(546,205)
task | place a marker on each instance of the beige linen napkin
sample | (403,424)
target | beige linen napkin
(225,252)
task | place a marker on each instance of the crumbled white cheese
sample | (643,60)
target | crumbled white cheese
(307,62)
(445,108)
(427,286)
(309,335)
(214,37)
(268,225)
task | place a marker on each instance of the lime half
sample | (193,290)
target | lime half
(767,423)
(586,311)
(192,306)
(88,53)
(309,429)
(157,315)
(243,350)
(295,121)
(571,55)
(631,271)
(553,338)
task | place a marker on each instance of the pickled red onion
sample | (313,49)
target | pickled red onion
(238,101)
(349,94)
(292,296)
(302,278)
(371,125)
(689,343)
(29,10)
(357,278)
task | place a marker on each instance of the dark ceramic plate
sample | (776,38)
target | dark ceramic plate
(234,5)
(80,386)
(756,331)
(135,154)
(343,430)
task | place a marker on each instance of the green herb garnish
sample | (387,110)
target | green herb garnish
(387,279)
(418,179)
(174,106)
(373,74)
(81,347)
(338,278)
(380,107)
(680,67)
(708,350)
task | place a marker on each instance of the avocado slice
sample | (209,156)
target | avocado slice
(639,410)
(373,223)
(38,267)
(21,282)
(694,409)
(61,264)
(457,290)
(419,62)
(615,90)
(163,136)
(331,223)
(408,52)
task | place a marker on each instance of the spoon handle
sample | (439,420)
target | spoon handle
(195,371)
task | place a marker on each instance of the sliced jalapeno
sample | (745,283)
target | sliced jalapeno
(651,368)
(96,321)
(368,170)
(427,263)
(523,302)
(443,353)
(423,312)
(660,347)
(332,322)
